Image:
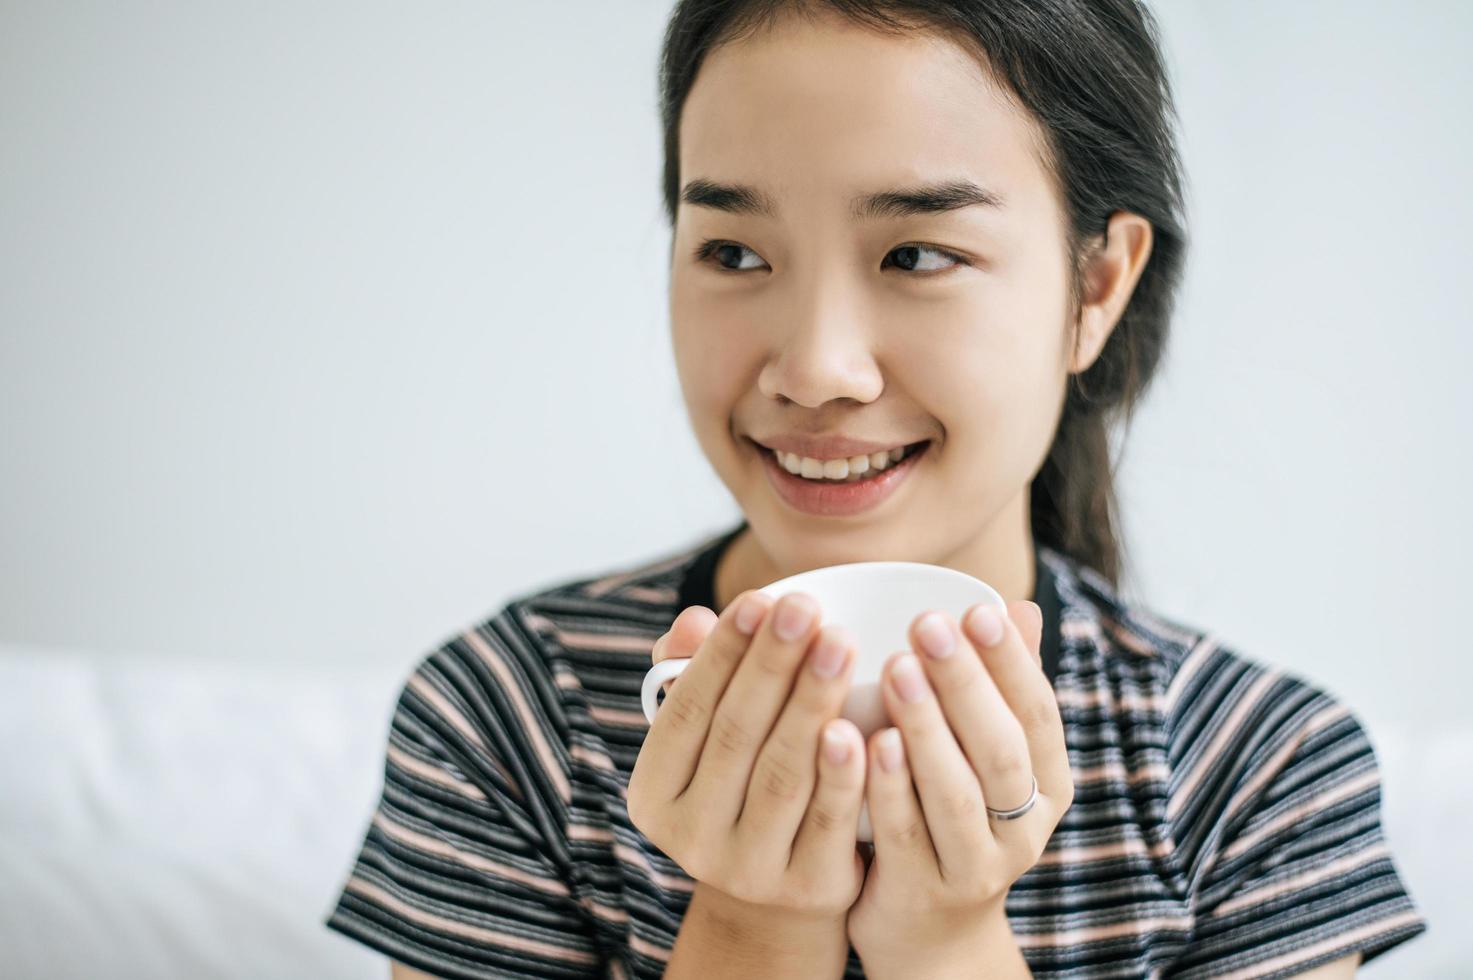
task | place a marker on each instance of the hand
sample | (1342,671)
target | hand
(727,783)
(986,723)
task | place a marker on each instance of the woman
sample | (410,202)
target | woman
(927,250)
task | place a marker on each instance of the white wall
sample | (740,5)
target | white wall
(323,330)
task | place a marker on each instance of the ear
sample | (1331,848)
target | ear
(1110,274)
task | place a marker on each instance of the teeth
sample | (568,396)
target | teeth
(850,469)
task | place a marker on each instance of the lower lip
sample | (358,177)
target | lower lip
(837,499)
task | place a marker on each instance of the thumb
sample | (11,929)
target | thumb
(685,635)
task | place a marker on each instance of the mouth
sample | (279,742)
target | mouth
(852,495)
(871,471)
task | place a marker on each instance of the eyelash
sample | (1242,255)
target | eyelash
(707,250)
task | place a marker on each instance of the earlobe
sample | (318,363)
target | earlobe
(1118,258)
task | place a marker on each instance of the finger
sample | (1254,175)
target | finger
(900,831)
(669,757)
(946,784)
(976,713)
(1029,696)
(783,776)
(750,704)
(1029,619)
(831,825)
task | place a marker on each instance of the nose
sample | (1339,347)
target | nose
(823,348)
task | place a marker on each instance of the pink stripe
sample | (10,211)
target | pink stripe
(433,845)
(1303,811)
(653,594)
(641,945)
(1340,941)
(1226,731)
(492,937)
(446,710)
(431,774)
(638,858)
(1302,882)
(614,914)
(604,642)
(1102,696)
(583,831)
(1274,765)
(1114,771)
(1112,851)
(1131,640)
(1091,934)
(587,756)
(530,725)
(1081,629)
(618,716)
(1188,669)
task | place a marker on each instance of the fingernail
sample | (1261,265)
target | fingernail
(835,747)
(793,618)
(889,750)
(910,683)
(829,657)
(936,636)
(749,614)
(986,625)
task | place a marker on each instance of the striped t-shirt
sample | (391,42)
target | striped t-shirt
(1226,819)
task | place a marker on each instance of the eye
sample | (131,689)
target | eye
(911,261)
(725,252)
(722,251)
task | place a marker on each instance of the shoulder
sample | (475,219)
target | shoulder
(1237,735)
(536,630)
(1201,684)
(518,684)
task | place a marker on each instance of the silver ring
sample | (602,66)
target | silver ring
(1016,811)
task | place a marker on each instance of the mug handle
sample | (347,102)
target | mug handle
(660,673)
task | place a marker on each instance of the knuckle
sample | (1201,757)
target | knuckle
(825,816)
(1008,763)
(1038,714)
(910,833)
(686,709)
(730,735)
(780,778)
(963,807)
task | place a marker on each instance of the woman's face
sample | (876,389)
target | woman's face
(891,327)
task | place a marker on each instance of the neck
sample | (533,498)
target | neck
(1000,554)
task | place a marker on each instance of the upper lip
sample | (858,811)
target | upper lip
(828,447)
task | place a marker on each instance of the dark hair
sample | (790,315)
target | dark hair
(1091,73)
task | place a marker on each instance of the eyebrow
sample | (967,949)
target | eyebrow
(903,202)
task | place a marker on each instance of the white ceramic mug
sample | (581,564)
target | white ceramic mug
(876,601)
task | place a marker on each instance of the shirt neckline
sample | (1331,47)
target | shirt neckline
(698,588)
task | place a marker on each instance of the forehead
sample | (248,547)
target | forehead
(825,104)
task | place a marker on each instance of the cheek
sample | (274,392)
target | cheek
(996,390)
(707,347)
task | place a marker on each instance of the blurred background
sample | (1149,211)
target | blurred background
(325,329)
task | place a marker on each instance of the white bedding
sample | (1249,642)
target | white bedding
(163,818)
